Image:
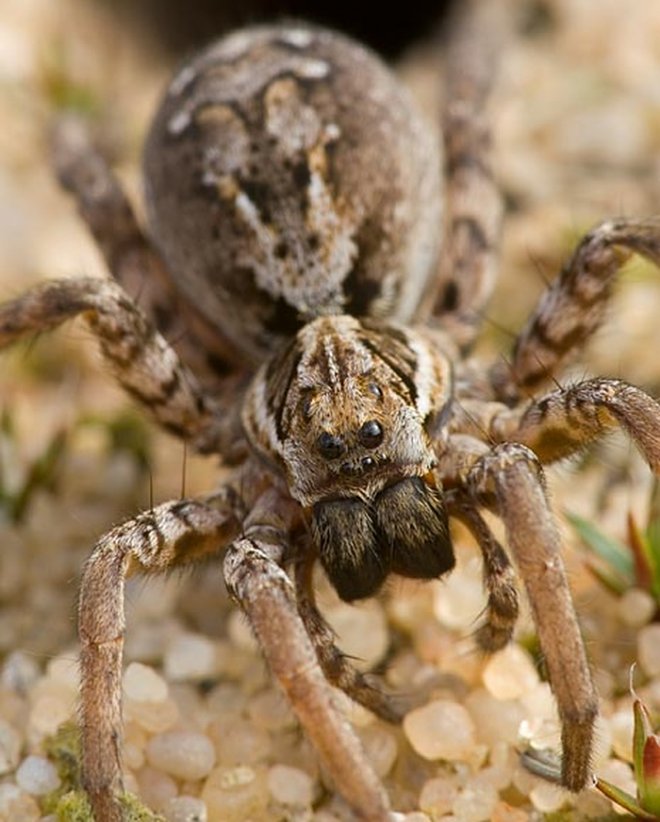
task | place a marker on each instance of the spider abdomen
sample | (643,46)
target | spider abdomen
(289,176)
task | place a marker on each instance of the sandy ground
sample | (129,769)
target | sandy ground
(576,116)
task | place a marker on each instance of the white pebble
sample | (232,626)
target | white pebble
(510,673)
(155,787)
(496,720)
(459,600)
(16,806)
(10,747)
(37,776)
(19,672)
(190,657)
(49,711)
(380,746)
(621,726)
(183,754)
(438,796)
(440,730)
(154,717)
(290,786)
(271,711)
(547,797)
(475,803)
(143,684)
(636,607)
(362,631)
(235,794)
(648,649)
(185,809)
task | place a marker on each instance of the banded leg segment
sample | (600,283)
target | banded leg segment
(255,578)
(468,269)
(565,421)
(141,359)
(131,257)
(334,663)
(499,578)
(172,534)
(511,476)
(573,306)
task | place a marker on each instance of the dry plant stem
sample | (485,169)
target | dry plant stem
(172,534)
(512,473)
(474,206)
(254,576)
(333,661)
(573,306)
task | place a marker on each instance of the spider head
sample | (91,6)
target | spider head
(352,413)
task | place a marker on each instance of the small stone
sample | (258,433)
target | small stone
(183,754)
(510,673)
(475,802)
(10,747)
(36,775)
(226,701)
(495,720)
(438,795)
(290,786)
(143,684)
(621,726)
(271,711)
(648,649)
(636,607)
(16,806)
(156,788)
(440,730)
(49,711)
(547,797)
(239,742)
(362,631)
(185,809)
(459,599)
(380,746)
(19,672)
(154,717)
(190,657)
(235,794)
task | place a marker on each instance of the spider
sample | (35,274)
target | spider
(321,336)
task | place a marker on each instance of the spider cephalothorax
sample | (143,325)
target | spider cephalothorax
(319,348)
(353,413)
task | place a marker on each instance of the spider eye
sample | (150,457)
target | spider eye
(375,389)
(371,434)
(329,446)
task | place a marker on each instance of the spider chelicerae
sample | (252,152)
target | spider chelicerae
(321,330)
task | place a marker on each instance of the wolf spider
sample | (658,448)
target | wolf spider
(321,347)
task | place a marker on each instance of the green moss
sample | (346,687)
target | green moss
(74,807)
(69,802)
(63,748)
